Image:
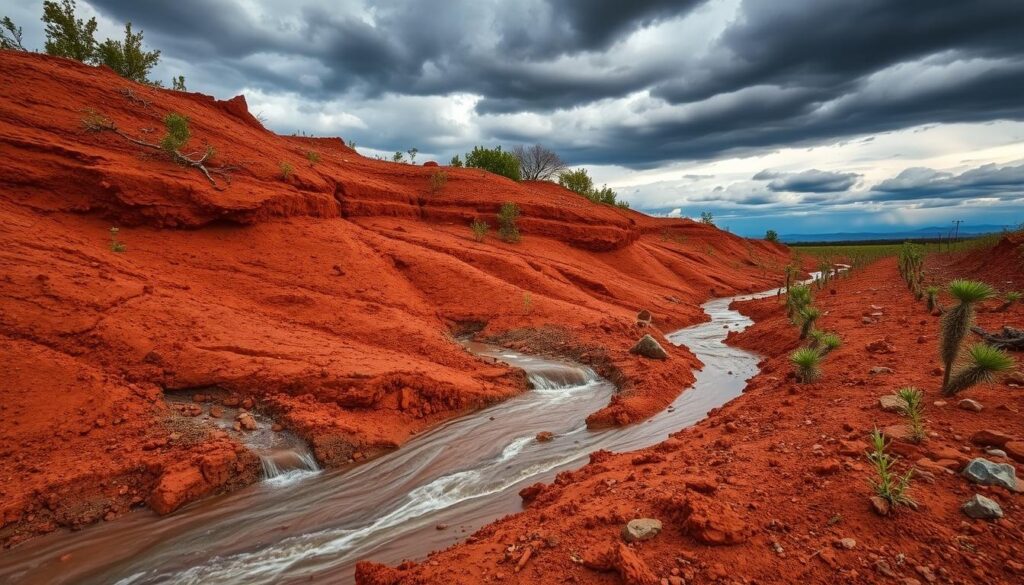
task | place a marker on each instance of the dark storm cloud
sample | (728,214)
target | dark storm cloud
(990,180)
(793,73)
(810,181)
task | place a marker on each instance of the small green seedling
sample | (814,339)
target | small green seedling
(115,244)
(887,484)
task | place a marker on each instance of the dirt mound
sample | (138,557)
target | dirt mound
(319,287)
(1001,264)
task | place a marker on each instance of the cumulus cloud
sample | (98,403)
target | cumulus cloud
(809,181)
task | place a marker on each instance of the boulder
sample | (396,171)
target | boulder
(984,472)
(641,529)
(990,438)
(981,508)
(649,347)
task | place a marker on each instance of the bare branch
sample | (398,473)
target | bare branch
(537,163)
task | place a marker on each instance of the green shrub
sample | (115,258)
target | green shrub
(932,299)
(127,58)
(438,179)
(479,228)
(286,170)
(981,363)
(1009,299)
(771,236)
(313,157)
(494,160)
(177,135)
(508,229)
(798,298)
(578,181)
(913,407)
(455,162)
(958,320)
(178,83)
(707,218)
(807,363)
(808,316)
(888,485)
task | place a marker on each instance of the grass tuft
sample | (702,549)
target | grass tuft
(914,409)
(887,484)
(807,363)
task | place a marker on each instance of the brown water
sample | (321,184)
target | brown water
(316,524)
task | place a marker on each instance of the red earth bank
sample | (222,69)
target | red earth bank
(326,299)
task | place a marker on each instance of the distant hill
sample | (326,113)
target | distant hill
(925,232)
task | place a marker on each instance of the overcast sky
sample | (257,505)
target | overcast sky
(805,116)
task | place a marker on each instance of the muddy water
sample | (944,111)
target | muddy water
(458,476)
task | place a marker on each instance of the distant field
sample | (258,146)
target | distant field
(865,252)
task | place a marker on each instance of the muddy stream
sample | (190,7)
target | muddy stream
(304,523)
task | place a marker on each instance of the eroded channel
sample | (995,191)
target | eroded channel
(459,476)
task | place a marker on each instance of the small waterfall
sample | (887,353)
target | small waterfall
(287,463)
(555,376)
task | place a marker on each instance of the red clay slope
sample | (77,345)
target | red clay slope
(773,487)
(328,299)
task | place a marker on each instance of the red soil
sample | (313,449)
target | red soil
(327,300)
(767,489)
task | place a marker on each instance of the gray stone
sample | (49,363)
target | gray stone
(892,403)
(971,405)
(981,508)
(996,453)
(880,370)
(641,529)
(985,472)
(649,348)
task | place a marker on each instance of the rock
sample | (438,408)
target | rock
(641,529)
(996,453)
(246,421)
(709,521)
(644,317)
(1015,450)
(898,433)
(430,163)
(892,403)
(1015,377)
(216,411)
(880,346)
(649,347)
(176,488)
(544,436)
(981,508)
(990,438)
(530,492)
(847,543)
(984,472)
(880,505)
(879,370)
(866,320)
(971,405)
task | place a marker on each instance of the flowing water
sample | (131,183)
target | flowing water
(434,491)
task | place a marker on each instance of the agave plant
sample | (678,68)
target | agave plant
(933,298)
(807,362)
(828,342)
(981,363)
(958,320)
(808,316)
(913,407)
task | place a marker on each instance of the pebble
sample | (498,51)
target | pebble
(641,529)
(984,472)
(971,405)
(981,508)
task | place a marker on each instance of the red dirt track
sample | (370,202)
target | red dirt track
(329,300)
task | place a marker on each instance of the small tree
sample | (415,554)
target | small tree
(707,218)
(67,36)
(10,35)
(771,236)
(494,160)
(455,162)
(577,180)
(537,163)
(981,363)
(127,58)
(178,83)
(398,157)
(508,229)
(412,154)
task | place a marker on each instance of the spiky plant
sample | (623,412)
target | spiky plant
(828,342)
(887,484)
(808,316)
(913,407)
(981,364)
(958,320)
(790,275)
(807,363)
(932,293)
(1009,299)
(799,297)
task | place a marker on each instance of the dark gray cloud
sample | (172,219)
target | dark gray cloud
(989,180)
(809,181)
(772,74)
